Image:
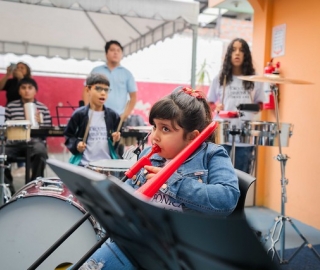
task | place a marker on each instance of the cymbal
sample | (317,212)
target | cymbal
(272,79)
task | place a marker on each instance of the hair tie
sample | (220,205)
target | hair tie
(191,92)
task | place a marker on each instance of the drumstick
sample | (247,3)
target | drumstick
(119,127)
(120,124)
(121,121)
(87,128)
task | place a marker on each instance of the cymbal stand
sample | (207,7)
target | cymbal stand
(233,132)
(4,192)
(279,235)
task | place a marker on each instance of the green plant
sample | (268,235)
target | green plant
(203,74)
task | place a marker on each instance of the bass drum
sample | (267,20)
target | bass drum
(35,218)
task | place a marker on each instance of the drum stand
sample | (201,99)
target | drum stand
(64,237)
(4,192)
(281,219)
(233,132)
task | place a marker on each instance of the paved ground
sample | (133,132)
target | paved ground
(19,182)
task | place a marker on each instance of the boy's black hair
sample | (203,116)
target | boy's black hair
(97,78)
(28,80)
(109,43)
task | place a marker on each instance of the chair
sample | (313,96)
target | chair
(26,159)
(245,181)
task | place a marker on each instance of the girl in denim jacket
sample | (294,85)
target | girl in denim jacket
(205,182)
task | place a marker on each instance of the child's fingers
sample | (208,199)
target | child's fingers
(152,169)
(116,136)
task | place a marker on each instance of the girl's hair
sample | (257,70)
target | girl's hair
(189,112)
(246,67)
(28,75)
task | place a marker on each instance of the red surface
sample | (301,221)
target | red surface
(228,114)
(57,91)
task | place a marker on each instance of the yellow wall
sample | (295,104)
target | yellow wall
(299,105)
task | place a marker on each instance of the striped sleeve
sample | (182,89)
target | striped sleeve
(14,111)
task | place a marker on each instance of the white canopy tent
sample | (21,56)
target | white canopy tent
(79,29)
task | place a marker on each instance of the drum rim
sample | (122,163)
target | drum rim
(264,122)
(96,226)
(222,120)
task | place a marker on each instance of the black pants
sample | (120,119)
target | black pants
(38,156)
(243,157)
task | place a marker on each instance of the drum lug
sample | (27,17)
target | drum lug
(70,199)
(22,194)
(291,130)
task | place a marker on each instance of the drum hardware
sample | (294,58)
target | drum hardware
(47,207)
(106,166)
(5,193)
(140,133)
(250,107)
(18,130)
(266,133)
(91,251)
(64,237)
(141,144)
(272,79)
(233,132)
(154,185)
(282,158)
(280,220)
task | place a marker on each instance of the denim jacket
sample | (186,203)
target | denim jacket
(77,124)
(206,182)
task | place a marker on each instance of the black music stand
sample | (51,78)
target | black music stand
(155,238)
(64,114)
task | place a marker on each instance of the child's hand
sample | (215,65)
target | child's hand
(219,107)
(37,116)
(116,136)
(81,147)
(18,74)
(150,171)
(9,71)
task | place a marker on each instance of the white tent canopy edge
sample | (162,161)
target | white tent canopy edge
(78,29)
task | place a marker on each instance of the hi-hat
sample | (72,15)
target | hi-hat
(272,79)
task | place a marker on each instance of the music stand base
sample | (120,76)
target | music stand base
(275,238)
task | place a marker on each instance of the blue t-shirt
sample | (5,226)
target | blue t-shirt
(121,84)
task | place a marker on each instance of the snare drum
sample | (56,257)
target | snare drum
(106,166)
(18,130)
(35,218)
(221,134)
(265,133)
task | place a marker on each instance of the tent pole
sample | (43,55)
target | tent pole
(194,55)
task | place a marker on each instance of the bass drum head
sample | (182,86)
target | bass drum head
(30,225)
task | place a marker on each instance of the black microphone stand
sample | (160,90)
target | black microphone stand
(137,151)
(2,167)
(233,132)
